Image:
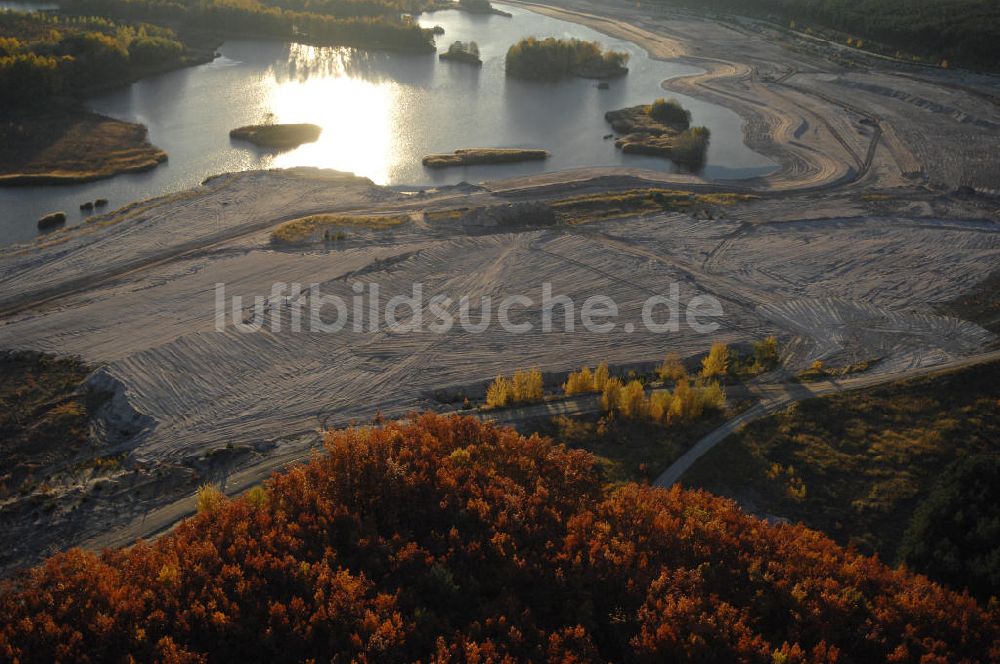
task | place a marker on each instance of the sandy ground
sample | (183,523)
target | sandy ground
(844,256)
(936,127)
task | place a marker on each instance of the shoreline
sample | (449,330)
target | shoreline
(658,47)
(768,129)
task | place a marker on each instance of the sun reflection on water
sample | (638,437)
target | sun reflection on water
(327,87)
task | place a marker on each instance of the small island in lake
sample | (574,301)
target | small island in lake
(480,7)
(551,59)
(661,129)
(467,52)
(477,156)
(277,136)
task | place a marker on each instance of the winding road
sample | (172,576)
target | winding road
(774,397)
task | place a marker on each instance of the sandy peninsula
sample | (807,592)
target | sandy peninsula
(72,146)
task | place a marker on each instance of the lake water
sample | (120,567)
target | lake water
(380,113)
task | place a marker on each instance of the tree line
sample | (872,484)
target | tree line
(965,31)
(363,24)
(628,398)
(96,43)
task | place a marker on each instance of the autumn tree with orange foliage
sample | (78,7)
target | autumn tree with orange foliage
(447,539)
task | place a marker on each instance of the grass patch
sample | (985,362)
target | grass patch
(452,215)
(591,207)
(306,228)
(857,465)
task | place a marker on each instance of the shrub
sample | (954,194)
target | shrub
(683,404)
(633,404)
(464,48)
(528,386)
(670,112)
(152,50)
(672,368)
(499,393)
(659,406)
(551,59)
(711,396)
(870,458)
(579,382)
(690,148)
(522,387)
(601,376)
(954,536)
(765,353)
(687,403)
(26,78)
(257,496)
(209,498)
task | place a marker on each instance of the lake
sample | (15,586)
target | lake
(380,114)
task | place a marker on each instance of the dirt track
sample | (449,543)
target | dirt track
(774,397)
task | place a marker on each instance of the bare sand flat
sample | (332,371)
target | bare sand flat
(153,326)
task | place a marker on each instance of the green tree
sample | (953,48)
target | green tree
(954,535)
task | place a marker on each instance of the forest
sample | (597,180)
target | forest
(44,55)
(907,471)
(363,24)
(551,59)
(962,31)
(92,44)
(448,539)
